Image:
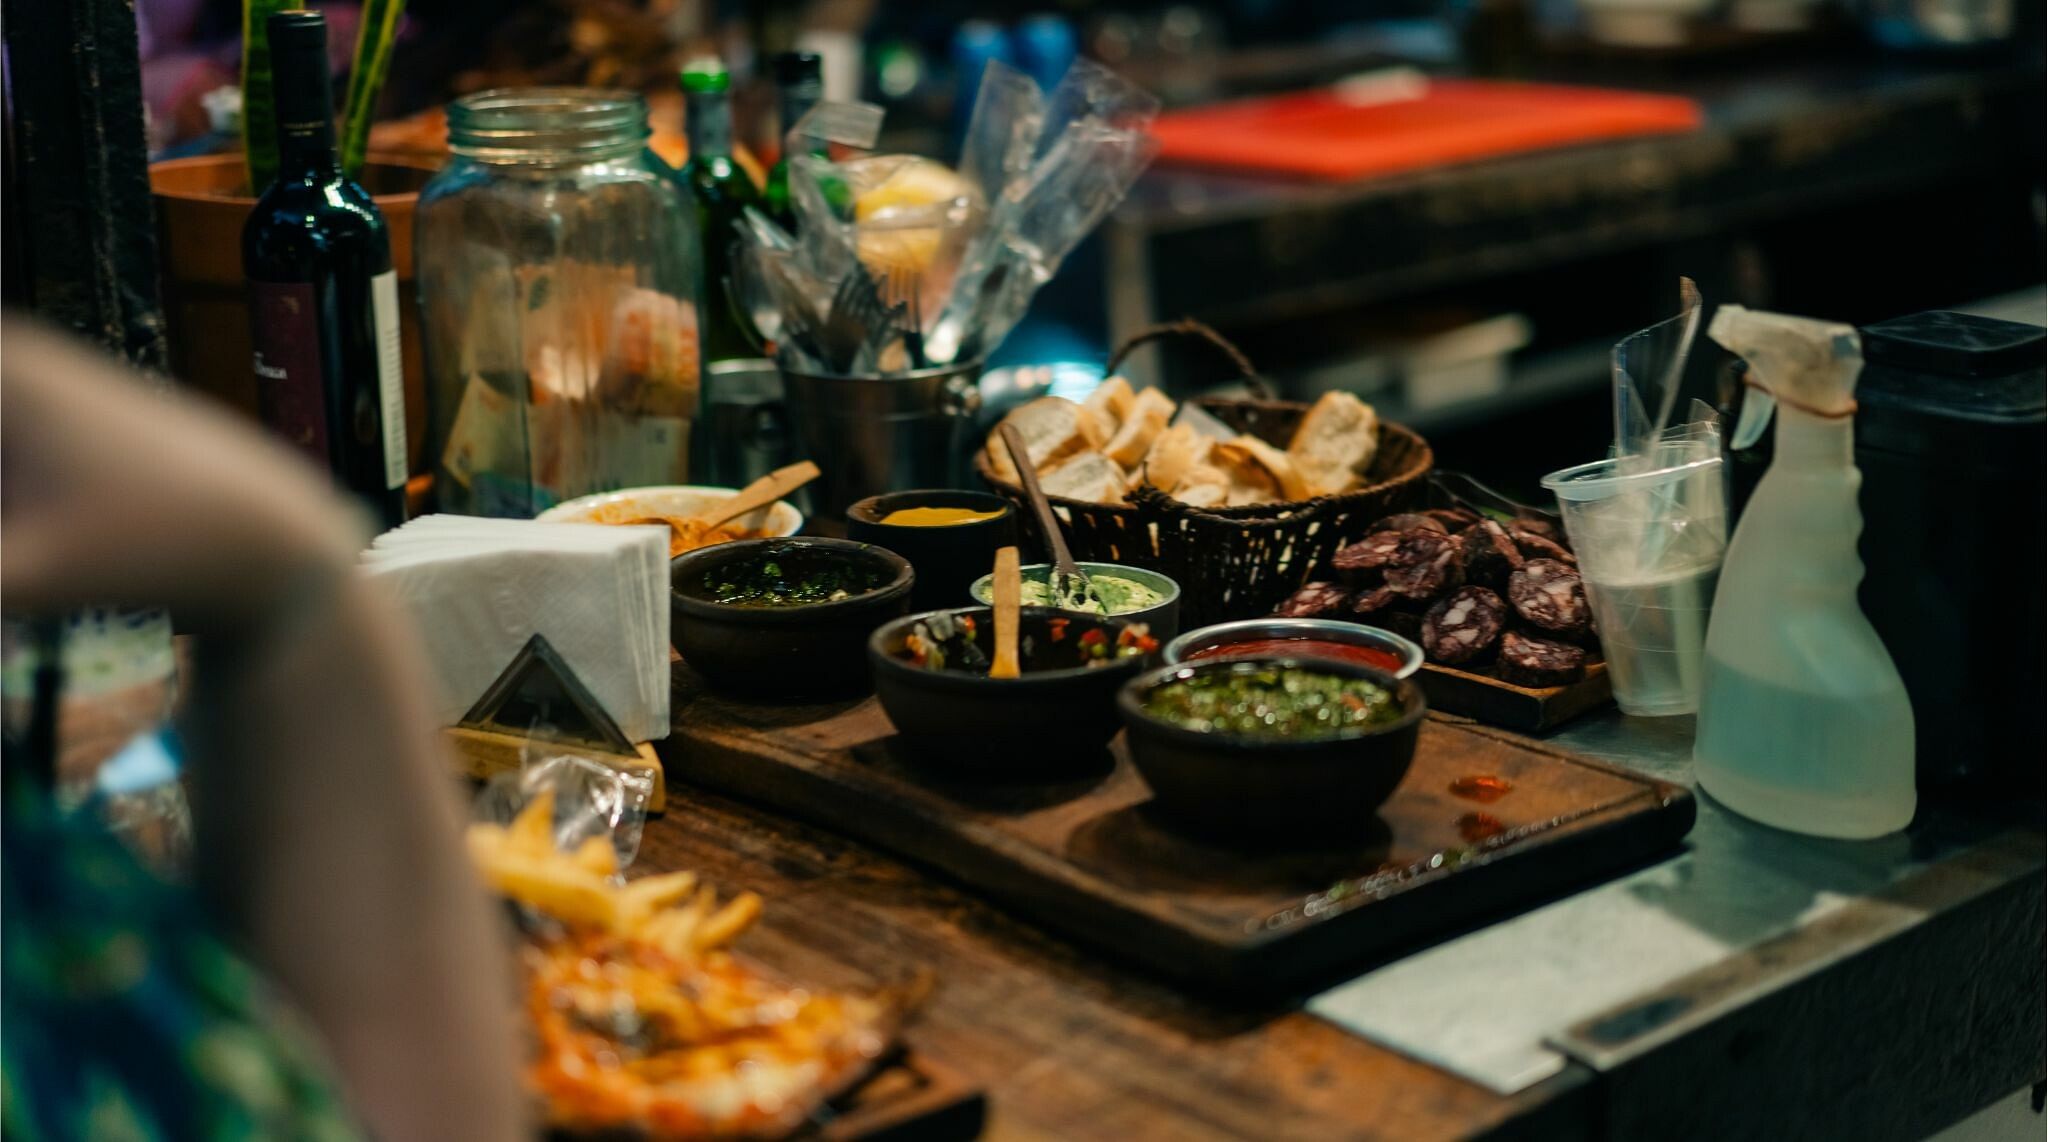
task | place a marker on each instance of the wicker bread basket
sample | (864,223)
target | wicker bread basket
(1234,563)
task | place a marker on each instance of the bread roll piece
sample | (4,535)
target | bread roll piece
(1089,476)
(1335,443)
(1174,453)
(1203,495)
(1111,402)
(1053,430)
(1152,399)
(1133,442)
(1259,472)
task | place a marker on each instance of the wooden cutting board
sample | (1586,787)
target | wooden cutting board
(1084,856)
(1497,703)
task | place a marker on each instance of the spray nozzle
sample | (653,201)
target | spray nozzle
(1808,364)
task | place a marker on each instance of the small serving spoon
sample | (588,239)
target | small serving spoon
(1008,589)
(1071,590)
(759,494)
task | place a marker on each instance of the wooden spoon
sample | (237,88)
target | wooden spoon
(759,494)
(1071,590)
(1007,590)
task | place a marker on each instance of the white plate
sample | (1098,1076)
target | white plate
(778,518)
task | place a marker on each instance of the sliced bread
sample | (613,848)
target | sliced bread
(1053,429)
(1089,476)
(1335,443)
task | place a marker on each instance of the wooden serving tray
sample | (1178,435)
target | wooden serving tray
(1085,857)
(1497,703)
(910,1099)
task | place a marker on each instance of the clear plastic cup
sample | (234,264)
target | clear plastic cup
(1649,533)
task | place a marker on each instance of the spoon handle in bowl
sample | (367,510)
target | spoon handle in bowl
(760,493)
(1007,592)
(1048,524)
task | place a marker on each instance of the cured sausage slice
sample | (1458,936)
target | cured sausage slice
(1372,552)
(1313,600)
(1527,660)
(1549,595)
(1409,521)
(1425,564)
(1490,554)
(1463,625)
(1541,547)
(1453,519)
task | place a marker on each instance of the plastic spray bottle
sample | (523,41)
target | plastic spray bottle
(1804,723)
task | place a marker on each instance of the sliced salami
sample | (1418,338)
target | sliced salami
(1425,564)
(1372,552)
(1463,626)
(1389,611)
(1490,554)
(1526,660)
(1549,595)
(1409,521)
(1539,547)
(1313,601)
(1453,519)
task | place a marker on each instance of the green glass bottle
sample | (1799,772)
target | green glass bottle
(722,191)
(799,85)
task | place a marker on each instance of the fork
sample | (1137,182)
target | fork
(904,286)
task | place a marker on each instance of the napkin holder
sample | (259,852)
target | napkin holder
(539,697)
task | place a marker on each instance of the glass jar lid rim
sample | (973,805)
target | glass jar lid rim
(547,118)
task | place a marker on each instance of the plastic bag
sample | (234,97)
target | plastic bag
(591,800)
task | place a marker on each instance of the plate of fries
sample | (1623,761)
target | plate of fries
(643,1022)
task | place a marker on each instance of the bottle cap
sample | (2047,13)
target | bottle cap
(705,75)
(298,29)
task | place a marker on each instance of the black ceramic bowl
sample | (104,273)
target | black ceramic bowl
(1235,786)
(1056,719)
(812,650)
(948,557)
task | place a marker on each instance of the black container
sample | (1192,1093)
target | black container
(1054,721)
(947,558)
(817,650)
(1949,437)
(1269,791)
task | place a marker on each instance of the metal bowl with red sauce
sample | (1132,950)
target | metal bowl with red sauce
(1327,639)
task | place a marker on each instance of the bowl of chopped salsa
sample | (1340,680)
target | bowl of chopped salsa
(1271,748)
(1056,718)
(1331,640)
(784,618)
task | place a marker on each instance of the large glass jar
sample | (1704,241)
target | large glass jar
(557,266)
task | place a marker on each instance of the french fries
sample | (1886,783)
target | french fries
(671,911)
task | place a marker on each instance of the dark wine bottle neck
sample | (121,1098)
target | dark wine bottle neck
(707,120)
(797,101)
(305,112)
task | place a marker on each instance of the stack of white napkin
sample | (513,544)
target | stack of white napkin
(480,588)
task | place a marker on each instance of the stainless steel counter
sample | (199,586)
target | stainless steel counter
(1619,971)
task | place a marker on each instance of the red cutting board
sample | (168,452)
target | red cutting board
(1319,134)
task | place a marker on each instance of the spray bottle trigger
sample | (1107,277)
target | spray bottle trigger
(1757,406)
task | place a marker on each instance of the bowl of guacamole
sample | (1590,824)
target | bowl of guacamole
(1125,592)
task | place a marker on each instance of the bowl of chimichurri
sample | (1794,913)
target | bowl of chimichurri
(1271,748)
(784,618)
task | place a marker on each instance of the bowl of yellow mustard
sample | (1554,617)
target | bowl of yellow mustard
(949,536)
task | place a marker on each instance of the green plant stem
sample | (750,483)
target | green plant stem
(375,33)
(259,105)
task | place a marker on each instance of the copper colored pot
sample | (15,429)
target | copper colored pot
(201,204)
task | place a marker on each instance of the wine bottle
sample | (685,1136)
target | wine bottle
(722,191)
(799,85)
(323,298)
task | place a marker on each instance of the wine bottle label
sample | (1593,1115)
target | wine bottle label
(390,375)
(290,391)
